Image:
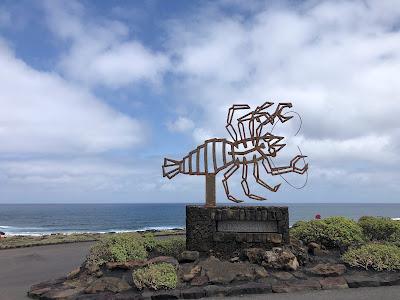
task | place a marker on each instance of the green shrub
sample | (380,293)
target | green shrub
(98,254)
(311,231)
(380,229)
(330,232)
(299,223)
(157,276)
(395,238)
(171,246)
(149,241)
(118,248)
(376,256)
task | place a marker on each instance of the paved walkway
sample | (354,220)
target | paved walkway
(22,267)
(376,293)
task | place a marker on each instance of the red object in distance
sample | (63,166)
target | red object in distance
(318,217)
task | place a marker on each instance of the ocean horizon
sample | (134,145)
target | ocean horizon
(41,219)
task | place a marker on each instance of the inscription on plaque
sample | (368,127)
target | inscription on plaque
(247,226)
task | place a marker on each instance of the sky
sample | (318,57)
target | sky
(94,94)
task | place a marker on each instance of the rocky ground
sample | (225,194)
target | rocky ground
(280,270)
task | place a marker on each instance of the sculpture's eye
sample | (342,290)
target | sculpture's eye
(262,146)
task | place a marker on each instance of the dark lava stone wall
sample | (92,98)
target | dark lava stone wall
(202,234)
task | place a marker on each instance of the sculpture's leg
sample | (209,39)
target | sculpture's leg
(282,170)
(245,185)
(228,174)
(229,127)
(256,174)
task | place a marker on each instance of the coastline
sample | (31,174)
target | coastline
(24,241)
(12,241)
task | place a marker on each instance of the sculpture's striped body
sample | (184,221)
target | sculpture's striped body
(208,158)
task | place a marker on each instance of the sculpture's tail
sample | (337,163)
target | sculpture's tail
(171,167)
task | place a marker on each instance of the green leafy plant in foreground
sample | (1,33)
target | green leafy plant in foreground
(157,276)
(118,248)
(374,256)
(394,239)
(380,229)
(130,246)
(170,247)
(331,232)
(149,241)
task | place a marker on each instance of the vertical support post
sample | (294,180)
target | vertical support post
(210,190)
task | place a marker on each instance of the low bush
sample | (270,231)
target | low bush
(98,254)
(170,247)
(309,231)
(149,241)
(374,256)
(157,276)
(380,229)
(331,232)
(118,248)
(395,238)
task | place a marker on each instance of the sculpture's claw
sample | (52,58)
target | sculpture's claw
(284,119)
(278,112)
(234,199)
(295,168)
(297,158)
(255,197)
(301,170)
(276,188)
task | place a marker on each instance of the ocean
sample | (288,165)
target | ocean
(39,219)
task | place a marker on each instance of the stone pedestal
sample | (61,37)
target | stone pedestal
(228,229)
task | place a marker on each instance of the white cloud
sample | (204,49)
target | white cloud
(363,148)
(318,60)
(181,124)
(337,62)
(101,51)
(201,134)
(89,174)
(42,113)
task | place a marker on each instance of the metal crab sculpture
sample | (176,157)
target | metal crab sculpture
(247,148)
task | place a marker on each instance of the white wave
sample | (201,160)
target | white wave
(160,228)
(24,234)
(20,231)
(18,228)
(31,231)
